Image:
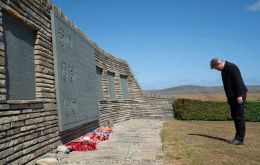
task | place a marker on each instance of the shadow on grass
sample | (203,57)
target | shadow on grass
(211,137)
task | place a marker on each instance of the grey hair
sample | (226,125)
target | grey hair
(214,62)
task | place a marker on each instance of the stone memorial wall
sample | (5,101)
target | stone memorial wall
(55,83)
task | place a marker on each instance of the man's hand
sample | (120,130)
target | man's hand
(240,99)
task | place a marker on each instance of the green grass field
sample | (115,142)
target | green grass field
(205,142)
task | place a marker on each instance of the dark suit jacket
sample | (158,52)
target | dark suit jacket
(232,80)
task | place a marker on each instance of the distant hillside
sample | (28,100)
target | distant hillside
(189,89)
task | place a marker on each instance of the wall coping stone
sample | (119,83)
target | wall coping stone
(22,104)
(18,16)
(24,101)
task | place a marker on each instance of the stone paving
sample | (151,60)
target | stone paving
(133,142)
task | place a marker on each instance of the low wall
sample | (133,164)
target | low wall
(155,106)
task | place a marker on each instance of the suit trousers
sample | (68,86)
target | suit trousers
(237,114)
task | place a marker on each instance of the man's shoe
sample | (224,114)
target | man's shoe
(236,142)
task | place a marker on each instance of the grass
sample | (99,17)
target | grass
(205,142)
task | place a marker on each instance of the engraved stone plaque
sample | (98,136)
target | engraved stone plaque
(75,76)
(20,68)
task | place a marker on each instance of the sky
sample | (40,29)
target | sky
(168,43)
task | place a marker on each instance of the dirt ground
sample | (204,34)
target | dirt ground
(206,142)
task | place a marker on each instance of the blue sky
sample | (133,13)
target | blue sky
(170,42)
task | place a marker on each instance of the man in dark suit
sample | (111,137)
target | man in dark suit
(235,90)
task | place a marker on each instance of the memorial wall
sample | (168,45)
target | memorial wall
(55,83)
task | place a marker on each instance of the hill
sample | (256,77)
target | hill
(193,89)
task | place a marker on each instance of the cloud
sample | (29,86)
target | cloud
(254,7)
(184,80)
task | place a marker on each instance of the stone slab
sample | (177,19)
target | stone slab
(75,75)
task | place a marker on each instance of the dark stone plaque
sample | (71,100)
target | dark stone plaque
(20,67)
(124,87)
(75,76)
